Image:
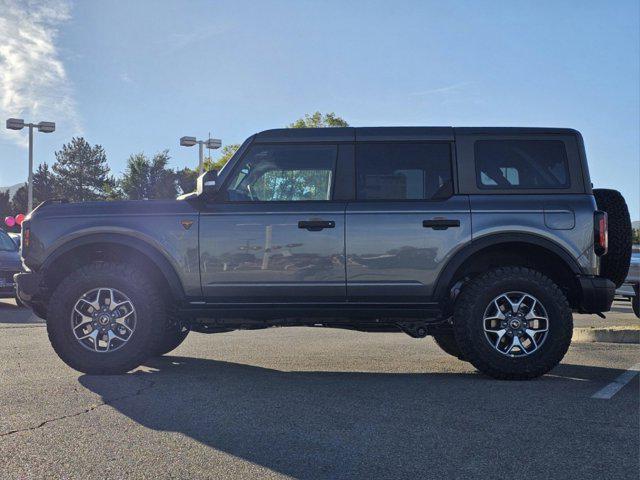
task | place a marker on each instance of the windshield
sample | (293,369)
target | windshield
(6,244)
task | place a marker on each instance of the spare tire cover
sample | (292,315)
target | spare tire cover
(615,264)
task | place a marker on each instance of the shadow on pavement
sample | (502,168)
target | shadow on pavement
(11,313)
(383,425)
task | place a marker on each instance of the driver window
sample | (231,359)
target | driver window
(284,173)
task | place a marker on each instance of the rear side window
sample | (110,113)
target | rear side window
(521,164)
(403,171)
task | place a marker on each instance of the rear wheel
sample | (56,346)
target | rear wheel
(448,343)
(513,323)
(105,318)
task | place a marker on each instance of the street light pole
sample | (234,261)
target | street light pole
(30,187)
(211,144)
(44,127)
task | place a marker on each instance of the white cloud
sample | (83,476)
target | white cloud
(33,79)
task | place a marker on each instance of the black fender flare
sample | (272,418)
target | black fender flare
(150,251)
(473,247)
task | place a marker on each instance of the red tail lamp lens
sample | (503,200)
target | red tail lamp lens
(601,234)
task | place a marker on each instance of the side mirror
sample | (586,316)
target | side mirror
(207,183)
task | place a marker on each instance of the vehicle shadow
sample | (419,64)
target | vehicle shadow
(11,313)
(309,424)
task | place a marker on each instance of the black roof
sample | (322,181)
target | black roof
(350,134)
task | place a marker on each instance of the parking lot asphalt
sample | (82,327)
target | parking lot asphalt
(312,403)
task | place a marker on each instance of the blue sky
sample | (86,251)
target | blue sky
(135,76)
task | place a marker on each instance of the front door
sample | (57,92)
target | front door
(275,235)
(406,222)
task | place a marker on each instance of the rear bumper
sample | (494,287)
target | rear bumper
(596,294)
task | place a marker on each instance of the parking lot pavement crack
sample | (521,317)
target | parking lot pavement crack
(150,384)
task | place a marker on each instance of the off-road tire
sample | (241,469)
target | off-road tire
(447,342)
(173,336)
(615,264)
(150,314)
(468,323)
(19,303)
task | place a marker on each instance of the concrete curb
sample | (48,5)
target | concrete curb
(608,335)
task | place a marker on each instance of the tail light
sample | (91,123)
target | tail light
(600,233)
(26,237)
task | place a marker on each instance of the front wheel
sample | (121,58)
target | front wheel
(172,338)
(19,303)
(104,318)
(513,323)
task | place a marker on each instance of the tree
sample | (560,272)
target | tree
(82,171)
(20,202)
(44,184)
(319,120)
(228,151)
(148,178)
(5,204)
(186,179)
(112,190)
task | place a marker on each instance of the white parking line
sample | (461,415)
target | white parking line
(614,387)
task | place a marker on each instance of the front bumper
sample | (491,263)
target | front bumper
(7,287)
(596,294)
(28,287)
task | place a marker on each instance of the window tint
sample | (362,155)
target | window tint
(512,164)
(403,171)
(270,173)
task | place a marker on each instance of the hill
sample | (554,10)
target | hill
(12,189)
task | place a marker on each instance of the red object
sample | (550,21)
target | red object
(20,218)
(10,221)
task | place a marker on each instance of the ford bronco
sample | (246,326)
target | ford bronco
(485,238)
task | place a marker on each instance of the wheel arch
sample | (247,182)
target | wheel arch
(146,254)
(507,248)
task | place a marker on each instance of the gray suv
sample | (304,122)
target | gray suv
(485,238)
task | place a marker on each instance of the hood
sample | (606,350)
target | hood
(10,261)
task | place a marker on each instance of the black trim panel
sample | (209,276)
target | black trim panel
(129,241)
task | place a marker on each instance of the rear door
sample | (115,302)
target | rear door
(276,235)
(406,222)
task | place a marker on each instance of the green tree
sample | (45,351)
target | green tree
(319,120)
(225,155)
(20,202)
(148,178)
(44,184)
(5,204)
(112,190)
(82,171)
(186,179)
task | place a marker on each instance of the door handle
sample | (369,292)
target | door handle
(440,224)
(316,225)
